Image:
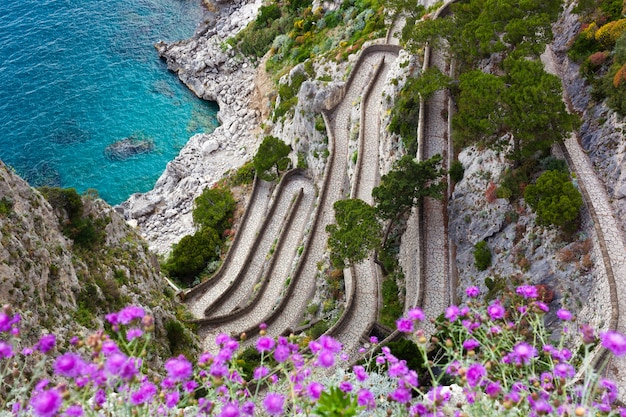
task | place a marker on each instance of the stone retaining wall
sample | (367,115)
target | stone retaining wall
(260,236)
(219,274)
(266,276)
(352,298)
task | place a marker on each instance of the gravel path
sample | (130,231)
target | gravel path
(611,239)
(258,263)
(336,189)
(278,273)
(257,207)
(367,273)
(435,293)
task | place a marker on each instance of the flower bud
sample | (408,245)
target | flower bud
(580,411)
(243,336)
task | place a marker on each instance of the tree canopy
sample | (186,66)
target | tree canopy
(214,208)
(356,233)
(191,255)
(525,102)
(555,199)
(271,158)
(408,181)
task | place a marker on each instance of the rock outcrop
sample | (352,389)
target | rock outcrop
(128,147)
(213,71)
(62,287)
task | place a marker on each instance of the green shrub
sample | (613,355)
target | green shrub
(244,175)
(554,198)
(191,255)
(178,338)
(214,209)
(83,230)
(392,307)
(267,14)
(551,163)
(318,329)
(456,171)
(6,206)
(482,256)
(407,350)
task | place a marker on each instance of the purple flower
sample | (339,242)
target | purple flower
(115,362)
(614,341)
(527,291)
(69,365)
(108,347)
(366,399)
(523,353)
(130,313)
(359,373)
(472,292)
(345,386)
(398,369)
(248,407)
(5,321)
(401,395)
(46,403)
(564,370)
(414,314)
(171,399)
(260,372)
(330,343)
(588,334)
(100,397)
(564,315)
(281,354)
(133,333)
(46,343)
(8,322)
(264,344)
(493,389)
(230,410)
(273,404)
(190,386)
(471,344)
(452,313)
(404,325)
(178,369)
(325,358)
(373,339)
(438,395)
(542,306)
(314,390)
(6,349)
(475,374)
(144,394)
(74,411)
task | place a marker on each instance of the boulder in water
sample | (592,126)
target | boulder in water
(127,147)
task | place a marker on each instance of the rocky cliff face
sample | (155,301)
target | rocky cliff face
(522,251)
(602,132)
(65,287)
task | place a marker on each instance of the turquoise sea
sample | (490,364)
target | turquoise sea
(79,75)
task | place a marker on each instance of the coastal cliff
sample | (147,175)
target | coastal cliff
(213,71)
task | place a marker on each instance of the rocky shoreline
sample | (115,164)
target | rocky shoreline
(213,71)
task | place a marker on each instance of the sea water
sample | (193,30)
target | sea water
(79,75)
